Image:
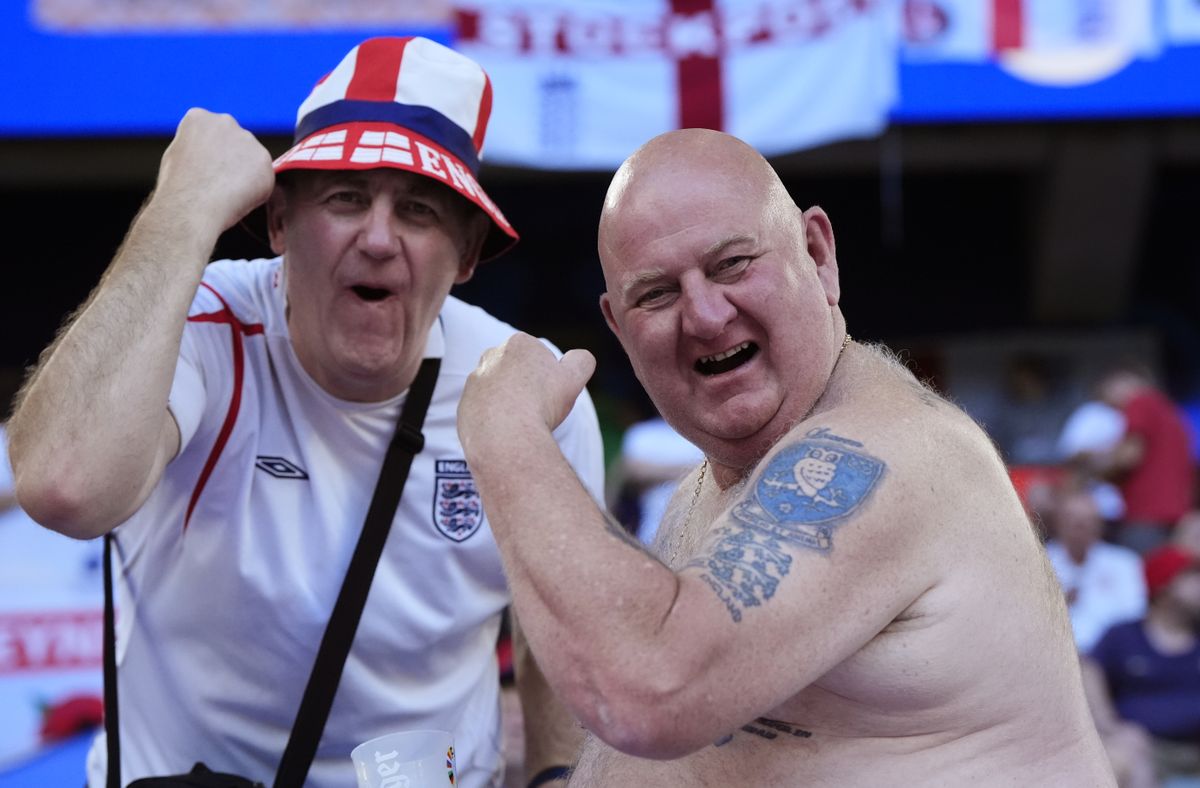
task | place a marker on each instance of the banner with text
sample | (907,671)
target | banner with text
(580,85)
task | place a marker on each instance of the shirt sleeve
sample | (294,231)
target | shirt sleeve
(186,401)
(1133,594)
(1137,415)
(656,442)
(6,476)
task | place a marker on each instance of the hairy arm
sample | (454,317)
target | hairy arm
(91,433)
(660,664)
(552,736)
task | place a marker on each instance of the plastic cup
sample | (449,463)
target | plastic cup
(406,759)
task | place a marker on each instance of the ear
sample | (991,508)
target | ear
(818,234)
(276,211)
(477,231)
(606,308)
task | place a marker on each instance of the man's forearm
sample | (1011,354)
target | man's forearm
(552,735)
(87,437)
(561,559)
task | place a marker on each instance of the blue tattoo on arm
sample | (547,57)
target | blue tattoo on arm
(805,491)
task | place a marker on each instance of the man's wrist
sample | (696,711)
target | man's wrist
(549,775)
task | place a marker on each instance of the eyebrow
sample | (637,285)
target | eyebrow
(332,180)
(713,250)
(717,248)
(638,280)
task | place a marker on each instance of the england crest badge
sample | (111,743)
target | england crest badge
(457,509)
(809,487)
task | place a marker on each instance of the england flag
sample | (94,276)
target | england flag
(581,84)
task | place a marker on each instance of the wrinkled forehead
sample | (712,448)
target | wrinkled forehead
(309,181)
(676,211)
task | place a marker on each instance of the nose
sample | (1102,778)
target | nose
(706,309)
(379,236)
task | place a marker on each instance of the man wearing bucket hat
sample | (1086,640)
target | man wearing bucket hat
(227,422)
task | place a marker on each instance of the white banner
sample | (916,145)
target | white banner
(1063,24)
(1053,42)
(940,30)
(1075,42)
(51,631)
(1183,21)
(580,85)
(51,636)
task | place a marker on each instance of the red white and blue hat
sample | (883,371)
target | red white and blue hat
(407,103)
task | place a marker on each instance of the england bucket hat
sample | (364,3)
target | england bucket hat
(405,103)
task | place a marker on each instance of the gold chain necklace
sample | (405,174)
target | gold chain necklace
(677,542)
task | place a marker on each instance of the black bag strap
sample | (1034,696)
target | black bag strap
(339,633)
(112,736)
(301,748)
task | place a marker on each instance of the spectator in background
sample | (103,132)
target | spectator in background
(1103,583)
(1187,533)
(1146,673)
(1152,463)
(1093,427)
(1026,425)
(654,457)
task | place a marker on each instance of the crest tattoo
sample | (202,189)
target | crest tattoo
(798,500)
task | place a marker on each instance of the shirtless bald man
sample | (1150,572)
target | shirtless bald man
(846,592)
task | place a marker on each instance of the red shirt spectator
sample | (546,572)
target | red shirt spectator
(1152,463)
(1159,488)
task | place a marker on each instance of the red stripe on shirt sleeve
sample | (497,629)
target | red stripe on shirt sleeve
(237,331)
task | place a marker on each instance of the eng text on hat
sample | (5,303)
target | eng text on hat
(404,103)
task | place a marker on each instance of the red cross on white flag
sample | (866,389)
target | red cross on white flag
(582,84)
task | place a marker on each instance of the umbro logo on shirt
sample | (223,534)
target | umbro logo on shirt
(280,468)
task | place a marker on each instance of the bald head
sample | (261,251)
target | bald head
(686,163)
(723,293)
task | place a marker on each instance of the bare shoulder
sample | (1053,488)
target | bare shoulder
(947,493)
(891,434)
(887,469)
(867,486)
(929,442)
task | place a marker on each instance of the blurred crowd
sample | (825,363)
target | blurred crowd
(1117,503)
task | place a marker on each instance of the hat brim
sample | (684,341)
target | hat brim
(372,145)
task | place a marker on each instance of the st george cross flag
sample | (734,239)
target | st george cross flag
(580,84)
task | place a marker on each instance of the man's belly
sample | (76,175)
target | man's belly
(771,753)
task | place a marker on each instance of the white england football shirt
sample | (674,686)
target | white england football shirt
(231,568)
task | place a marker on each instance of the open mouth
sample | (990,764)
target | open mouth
(726,360)
(370,293)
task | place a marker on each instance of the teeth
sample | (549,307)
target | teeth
(725,354)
